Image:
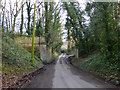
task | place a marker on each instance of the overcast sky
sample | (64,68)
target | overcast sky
(63,16)
(63,13)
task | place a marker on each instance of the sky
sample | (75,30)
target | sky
(63,15)
(65,43)
(63,18)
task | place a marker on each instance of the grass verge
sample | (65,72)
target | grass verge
(96,65)
(16,60)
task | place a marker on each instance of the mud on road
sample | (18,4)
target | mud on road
(61,74)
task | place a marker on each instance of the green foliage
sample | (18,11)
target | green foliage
(70,51)
(101,34)
(76,27)
(16,59)
(39,30)
(95,64)
(36,50)
(52,31)
(102,22)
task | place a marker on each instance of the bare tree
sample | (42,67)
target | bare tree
(14,13)
(22,19)
(3,16)
(29,8)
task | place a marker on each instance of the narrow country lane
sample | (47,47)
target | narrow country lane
(63,75)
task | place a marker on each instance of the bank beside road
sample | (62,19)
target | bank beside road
(94,65)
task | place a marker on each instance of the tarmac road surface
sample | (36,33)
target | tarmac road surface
(63,75)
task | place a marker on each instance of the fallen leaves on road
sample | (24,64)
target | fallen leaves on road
(17,81)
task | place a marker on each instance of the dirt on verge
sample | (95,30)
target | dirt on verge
(20,80)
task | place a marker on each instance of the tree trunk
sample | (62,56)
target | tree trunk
(39,47)
(22,18)
(3,30)
(13,26)
(7,24)
(28,12)
(32,56)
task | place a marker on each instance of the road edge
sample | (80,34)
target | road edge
(92,73)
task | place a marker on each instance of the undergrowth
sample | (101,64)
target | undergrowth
(36,50)
(15,59)
(95,64)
